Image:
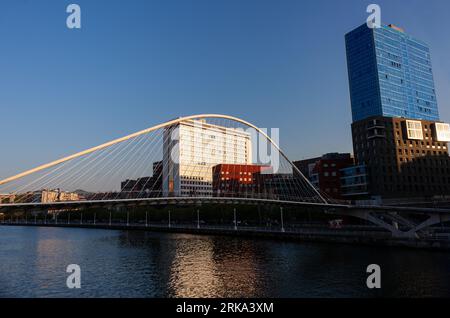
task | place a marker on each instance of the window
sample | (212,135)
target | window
(442,132)
(414,129)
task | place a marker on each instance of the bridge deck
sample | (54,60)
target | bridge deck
(217,200)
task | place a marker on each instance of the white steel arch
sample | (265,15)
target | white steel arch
(145,131)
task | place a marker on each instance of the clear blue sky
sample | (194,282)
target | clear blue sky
(276,63)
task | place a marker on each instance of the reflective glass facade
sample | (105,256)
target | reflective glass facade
(390,75)
(354,181)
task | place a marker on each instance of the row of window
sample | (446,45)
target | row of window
(240,179)
(240,172)
(241,185)
(412,152)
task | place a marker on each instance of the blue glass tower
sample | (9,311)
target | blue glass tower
(390,74)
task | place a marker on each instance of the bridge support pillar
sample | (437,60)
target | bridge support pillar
(282,221)
(235,219)
(198,218)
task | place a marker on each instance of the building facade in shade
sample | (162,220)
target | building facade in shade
(354,182)
(145,186)
(325,172)
(191,149)
(7,198)
(47,196)
(390,74)
(238,180)
(402,157)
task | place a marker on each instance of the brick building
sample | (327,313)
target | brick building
(325,172)
(237,179)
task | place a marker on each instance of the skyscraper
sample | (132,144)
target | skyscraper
(390,74)
(398,142)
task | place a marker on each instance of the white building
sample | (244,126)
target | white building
(191,148)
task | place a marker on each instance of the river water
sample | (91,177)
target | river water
(114,263)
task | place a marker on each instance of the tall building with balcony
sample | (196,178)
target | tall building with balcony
(399,144)
(192,148)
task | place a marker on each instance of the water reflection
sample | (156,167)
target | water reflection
(212,268)
(145,264)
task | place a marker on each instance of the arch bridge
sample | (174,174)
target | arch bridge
(198,159)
